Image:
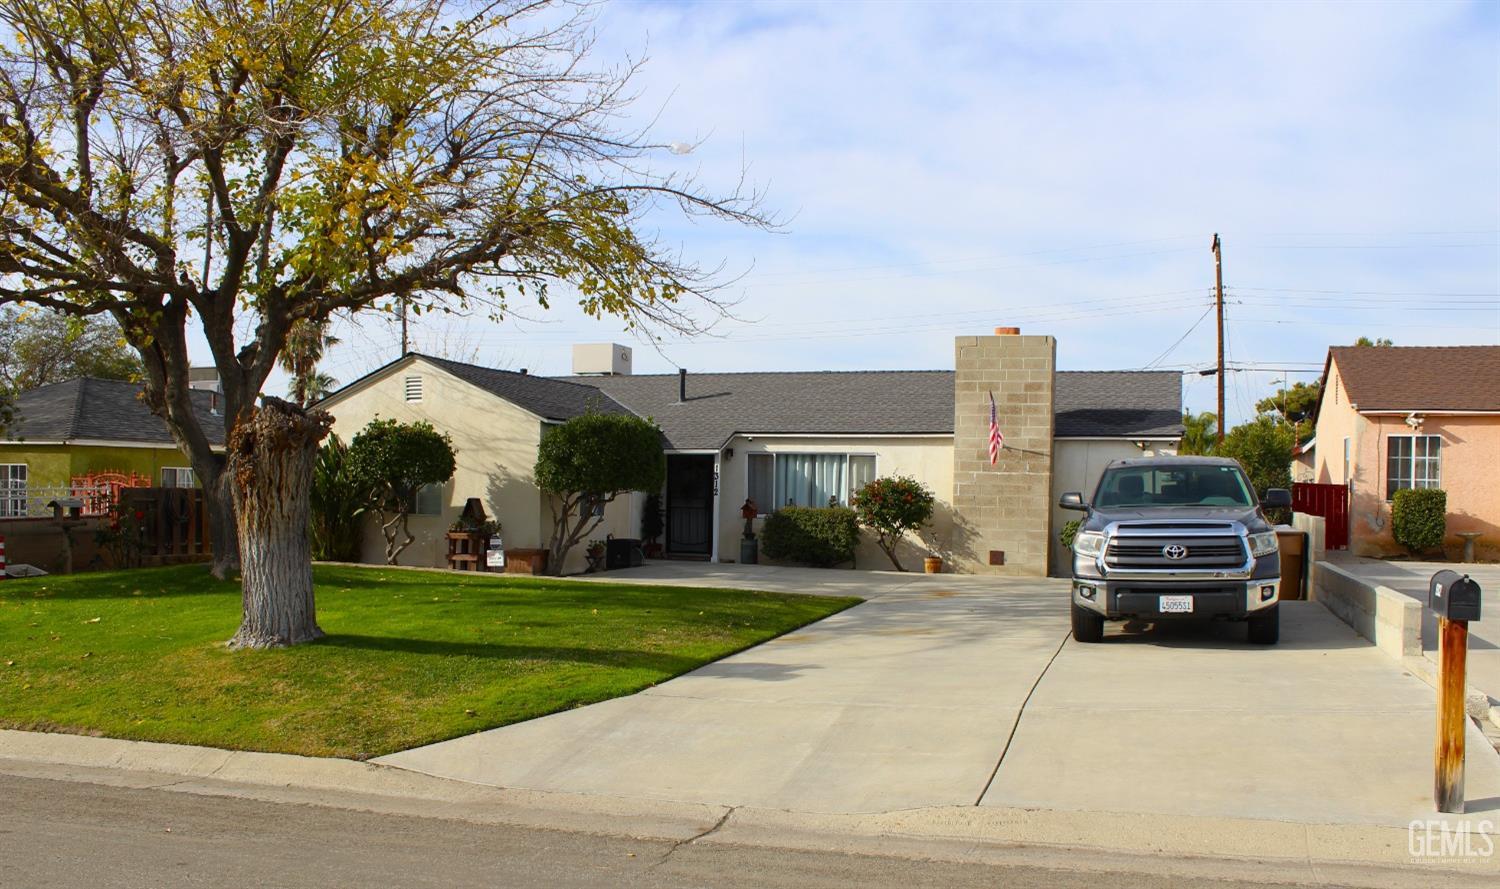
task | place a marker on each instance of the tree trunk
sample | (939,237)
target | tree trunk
(218,499)
(271,457)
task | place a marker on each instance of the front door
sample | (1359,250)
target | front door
(690,504)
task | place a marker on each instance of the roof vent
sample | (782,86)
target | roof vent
(601,359)
(413,388)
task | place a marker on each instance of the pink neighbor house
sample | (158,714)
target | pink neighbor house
(1393,417)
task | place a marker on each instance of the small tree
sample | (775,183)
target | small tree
(1419,518)
(1264,448)
(392,461)
(892,507)
(585,464)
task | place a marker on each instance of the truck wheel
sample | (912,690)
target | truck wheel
(1088,626)
(1265,628)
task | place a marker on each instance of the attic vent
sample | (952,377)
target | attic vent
(413,388)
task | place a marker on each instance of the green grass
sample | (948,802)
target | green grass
(410,658)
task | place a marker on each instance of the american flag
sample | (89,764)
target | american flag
(997,441)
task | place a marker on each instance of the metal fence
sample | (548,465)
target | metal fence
(26,502)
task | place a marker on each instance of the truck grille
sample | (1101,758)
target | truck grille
(1150,552)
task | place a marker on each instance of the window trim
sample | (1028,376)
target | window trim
(187,469)
(12,494)
(761,507)
(1411,460)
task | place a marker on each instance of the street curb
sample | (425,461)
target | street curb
(1206,846)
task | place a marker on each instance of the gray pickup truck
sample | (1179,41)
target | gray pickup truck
(1176,537)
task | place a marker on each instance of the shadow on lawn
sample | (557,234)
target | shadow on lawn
(650,660)
(147,583)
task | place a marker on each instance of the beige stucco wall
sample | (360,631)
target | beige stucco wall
(929,460)
(1077,464)
(1470,450)
(494,444)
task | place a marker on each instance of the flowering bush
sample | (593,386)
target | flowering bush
(892,507)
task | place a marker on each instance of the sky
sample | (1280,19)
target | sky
(943,169)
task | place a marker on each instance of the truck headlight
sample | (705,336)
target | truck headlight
(1088,543)
(1263,544)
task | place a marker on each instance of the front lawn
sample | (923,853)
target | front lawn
(411,657)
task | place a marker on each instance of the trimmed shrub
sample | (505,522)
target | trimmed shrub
(892,507)
(1419,518)
(1069,531)
(822,536)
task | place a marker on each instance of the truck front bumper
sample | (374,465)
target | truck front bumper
(1143,599)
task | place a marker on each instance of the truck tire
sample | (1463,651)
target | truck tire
(1087,625)
(1265,628)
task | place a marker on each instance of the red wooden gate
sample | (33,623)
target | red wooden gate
(1329,501)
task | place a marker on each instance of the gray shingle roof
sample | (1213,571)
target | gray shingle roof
(92,409)
(1117,404)
(828,402)
(549,398)
(1106,404)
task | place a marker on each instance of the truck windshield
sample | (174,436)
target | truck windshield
(1173,486)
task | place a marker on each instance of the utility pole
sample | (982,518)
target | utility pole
(1219,300)
(401,309)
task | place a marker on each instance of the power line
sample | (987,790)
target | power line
(1174,345)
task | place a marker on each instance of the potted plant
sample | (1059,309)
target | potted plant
(933,563)
(595,549)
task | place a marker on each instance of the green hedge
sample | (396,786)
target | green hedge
(1419,518)
(822,536)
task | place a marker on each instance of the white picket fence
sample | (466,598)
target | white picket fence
(24,502)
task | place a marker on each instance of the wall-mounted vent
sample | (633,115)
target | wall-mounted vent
(413,388)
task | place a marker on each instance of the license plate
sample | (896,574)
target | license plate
(1175,604)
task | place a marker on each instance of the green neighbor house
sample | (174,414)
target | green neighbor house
(90,427)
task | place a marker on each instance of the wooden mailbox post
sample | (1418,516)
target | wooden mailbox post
(1455,600)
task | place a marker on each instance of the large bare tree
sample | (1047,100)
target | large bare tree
(235,168)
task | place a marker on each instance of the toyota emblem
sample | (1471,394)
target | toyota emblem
(1174,551)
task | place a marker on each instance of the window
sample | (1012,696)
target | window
(1412,461)
(413,388)
(1348,469)
(178,477)
(762,476)
(12,490)
(1178,486)
(428,500)
(806,479)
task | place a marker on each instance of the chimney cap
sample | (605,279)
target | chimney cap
(1007,331)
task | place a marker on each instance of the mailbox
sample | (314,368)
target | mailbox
(66,508)
(1453,596)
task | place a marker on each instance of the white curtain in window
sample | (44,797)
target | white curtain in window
(809,479)
(861,471)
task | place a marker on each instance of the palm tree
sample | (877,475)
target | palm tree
(305,344)
(1200,433)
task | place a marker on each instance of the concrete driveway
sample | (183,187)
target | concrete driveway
(962,691)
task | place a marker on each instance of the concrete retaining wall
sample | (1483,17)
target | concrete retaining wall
(1391,620)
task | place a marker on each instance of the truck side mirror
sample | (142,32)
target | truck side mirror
(1277,498)
(1073,500)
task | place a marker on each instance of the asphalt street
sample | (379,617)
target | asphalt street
(67,834)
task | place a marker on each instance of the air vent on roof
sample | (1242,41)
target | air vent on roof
(413,388)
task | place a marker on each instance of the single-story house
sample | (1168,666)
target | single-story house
(88,427)
(1393,417)
(788,437)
